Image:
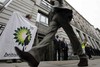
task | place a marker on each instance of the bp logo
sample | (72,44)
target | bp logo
(23,36)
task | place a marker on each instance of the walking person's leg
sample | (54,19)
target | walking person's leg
(33,57)
(89,54)
(59,54)
(76,46)
(37,51)
(64,22)
(55,54)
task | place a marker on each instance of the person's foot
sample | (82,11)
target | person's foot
(27,57)
(83,62)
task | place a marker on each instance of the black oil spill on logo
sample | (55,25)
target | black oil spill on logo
(23,36)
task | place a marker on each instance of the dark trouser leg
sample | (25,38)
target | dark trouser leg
(55,54)
(37,51)
(64,22)
(66,55)
(72,36)
(58,54)
(89,55)
(74,40)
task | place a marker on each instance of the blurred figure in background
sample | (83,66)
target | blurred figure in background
(57,48)
(88,50)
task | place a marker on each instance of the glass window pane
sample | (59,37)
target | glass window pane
(42,19)
(46,20)
(38,17)
(2,1)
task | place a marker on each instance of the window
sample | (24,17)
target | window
(2,26)
(4,3)
(41,18)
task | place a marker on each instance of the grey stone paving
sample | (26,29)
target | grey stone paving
(69,63)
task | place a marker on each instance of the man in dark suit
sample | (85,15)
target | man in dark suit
(56,48)
(64,47)
(60,16)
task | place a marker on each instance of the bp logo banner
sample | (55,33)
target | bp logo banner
(18,32)
(23,36)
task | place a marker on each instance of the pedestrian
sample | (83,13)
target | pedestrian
(66,52)
(84,44)
(64,49)
(62,45)
(88,50)
(57,48)
(59,16)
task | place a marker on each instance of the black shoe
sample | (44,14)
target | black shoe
(27,57)
(83,62)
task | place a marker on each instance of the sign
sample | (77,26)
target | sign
(18,32)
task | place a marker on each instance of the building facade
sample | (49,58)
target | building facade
(39,10)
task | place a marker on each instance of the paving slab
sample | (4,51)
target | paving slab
(68,63)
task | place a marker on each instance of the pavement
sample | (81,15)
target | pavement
(68,63)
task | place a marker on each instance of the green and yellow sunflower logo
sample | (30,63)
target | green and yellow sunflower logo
(23,36)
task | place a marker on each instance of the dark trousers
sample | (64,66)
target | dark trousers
(57,54)
(60,19)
